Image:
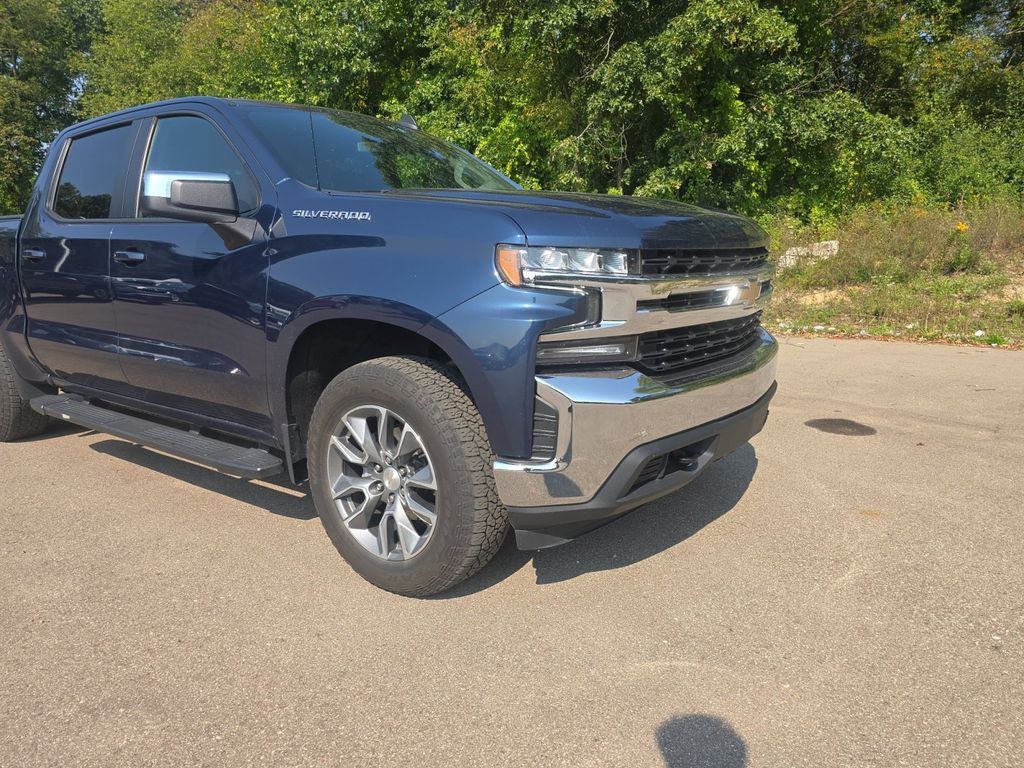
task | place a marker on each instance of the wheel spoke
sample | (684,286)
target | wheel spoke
(346,485)
(386,422)
(408,443)
(345,449)
(423,478)
(359,428)
(384,534)
(407,535)
(359,514)
(420,510)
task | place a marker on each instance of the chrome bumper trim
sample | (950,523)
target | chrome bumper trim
(604,415)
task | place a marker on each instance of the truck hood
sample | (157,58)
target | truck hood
(608,221)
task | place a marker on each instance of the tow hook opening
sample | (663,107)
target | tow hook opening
(689,458)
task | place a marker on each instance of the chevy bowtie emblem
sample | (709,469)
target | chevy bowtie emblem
(745,295)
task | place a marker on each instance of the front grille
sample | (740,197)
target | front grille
(678,302)
(714,297)
(678,349)
(700,261)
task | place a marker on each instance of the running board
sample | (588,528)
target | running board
(225,457)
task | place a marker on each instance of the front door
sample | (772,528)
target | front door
(190,296)
(65,260)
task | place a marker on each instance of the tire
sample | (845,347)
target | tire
(421,399)
(17,419)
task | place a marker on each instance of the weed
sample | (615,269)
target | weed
(960,257)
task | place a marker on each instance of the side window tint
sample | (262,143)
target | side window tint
(188,143)
(92,178)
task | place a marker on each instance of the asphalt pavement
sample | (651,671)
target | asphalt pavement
(844,592)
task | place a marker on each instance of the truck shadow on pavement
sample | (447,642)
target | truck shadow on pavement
(632,538)
(58,429)
(275,495)
(702,741)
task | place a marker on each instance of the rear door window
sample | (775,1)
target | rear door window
(91,181)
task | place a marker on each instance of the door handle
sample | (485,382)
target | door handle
(33,254)
(129,258)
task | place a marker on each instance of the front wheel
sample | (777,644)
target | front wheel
(401,474)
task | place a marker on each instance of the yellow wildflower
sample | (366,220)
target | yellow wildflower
(962,226)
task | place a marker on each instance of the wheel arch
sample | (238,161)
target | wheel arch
(322,342)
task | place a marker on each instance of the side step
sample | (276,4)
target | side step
(225,457)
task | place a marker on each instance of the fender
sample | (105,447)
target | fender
(499,374)
(403,266)
(492,338)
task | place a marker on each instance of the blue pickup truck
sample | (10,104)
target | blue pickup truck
(269,289)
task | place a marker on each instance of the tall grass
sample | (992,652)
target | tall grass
(956,275)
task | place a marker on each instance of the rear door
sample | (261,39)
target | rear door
(190,296)
(65,259)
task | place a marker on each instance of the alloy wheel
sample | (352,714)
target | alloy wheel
(382,482)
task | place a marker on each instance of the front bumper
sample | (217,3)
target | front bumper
(614,427)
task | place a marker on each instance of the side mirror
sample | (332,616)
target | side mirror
(189,195)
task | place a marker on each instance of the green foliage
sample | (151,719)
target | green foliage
(41,42)
(811,108)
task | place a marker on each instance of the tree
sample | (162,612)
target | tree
(134,60)
(42,43)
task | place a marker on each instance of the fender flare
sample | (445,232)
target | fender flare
(386,312)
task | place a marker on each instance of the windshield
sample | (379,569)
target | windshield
(355,153)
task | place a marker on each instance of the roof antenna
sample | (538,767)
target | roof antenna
(408,121)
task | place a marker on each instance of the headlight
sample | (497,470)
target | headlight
(522,266)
